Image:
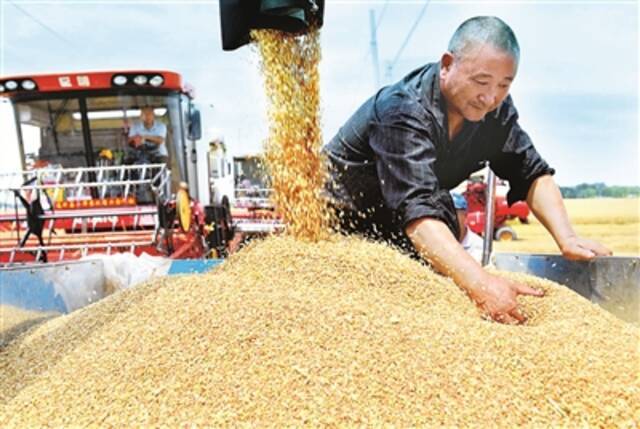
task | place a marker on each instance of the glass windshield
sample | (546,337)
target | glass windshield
(49,134)
(122,129)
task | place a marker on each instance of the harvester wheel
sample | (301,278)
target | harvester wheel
(183,207)
(505,233)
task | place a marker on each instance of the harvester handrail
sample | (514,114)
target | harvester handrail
(100,177)
(89,214)
(81,169)
(86,213)
(251,226)
(77,185)
(76,246)
(84,248)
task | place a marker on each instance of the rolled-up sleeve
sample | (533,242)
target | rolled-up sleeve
(405,153)
(517,160)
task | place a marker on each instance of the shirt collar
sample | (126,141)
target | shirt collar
(436,99)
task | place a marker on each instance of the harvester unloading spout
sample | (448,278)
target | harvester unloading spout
(239,17)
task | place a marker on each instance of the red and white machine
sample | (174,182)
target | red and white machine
(76,192)
(475,195)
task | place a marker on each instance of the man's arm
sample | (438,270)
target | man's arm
(158,140)
(134,139)
(495,295)
(545,200)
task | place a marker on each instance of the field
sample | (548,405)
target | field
(613,222)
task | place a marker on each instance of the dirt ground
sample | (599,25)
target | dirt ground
(613,222)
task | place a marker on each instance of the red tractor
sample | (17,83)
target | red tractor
(476,202)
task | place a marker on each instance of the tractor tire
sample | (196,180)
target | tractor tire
(505,233)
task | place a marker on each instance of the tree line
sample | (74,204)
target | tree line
(595,190)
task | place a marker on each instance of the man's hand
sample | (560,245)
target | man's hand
(136,140)
(545,201)
(576,249)
(496,296)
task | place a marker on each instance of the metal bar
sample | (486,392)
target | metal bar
(167,185)
(127,188)
(64,247)
(99,178)
(16,111)
(77,215)
(53,122)
(79,185)
(84,169)
(15,205)
(143,173)
(490,205)
(88,145)
(56,192)
(80,215)
(158,175)
(121,179)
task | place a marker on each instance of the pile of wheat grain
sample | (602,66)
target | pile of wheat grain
(338,332)
(312,329)
(14,321)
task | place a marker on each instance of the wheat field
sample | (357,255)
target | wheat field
(614,222)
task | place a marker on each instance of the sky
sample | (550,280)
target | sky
(576,88)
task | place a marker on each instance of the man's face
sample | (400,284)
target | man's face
(147,117)
(477,82)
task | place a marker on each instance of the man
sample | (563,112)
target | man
(396,158)
(147,138)
(471,242)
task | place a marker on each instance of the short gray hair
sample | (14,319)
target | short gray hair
(482,30)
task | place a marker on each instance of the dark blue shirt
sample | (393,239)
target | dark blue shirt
(392,162)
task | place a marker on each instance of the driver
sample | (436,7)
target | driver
(147,138)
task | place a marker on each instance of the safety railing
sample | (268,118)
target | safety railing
(61,251)
(253,198)
(86,182)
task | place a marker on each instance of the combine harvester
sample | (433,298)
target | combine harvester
(77,210)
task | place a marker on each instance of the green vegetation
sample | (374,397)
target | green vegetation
(595,190)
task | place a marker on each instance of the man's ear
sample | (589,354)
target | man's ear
(446,61)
